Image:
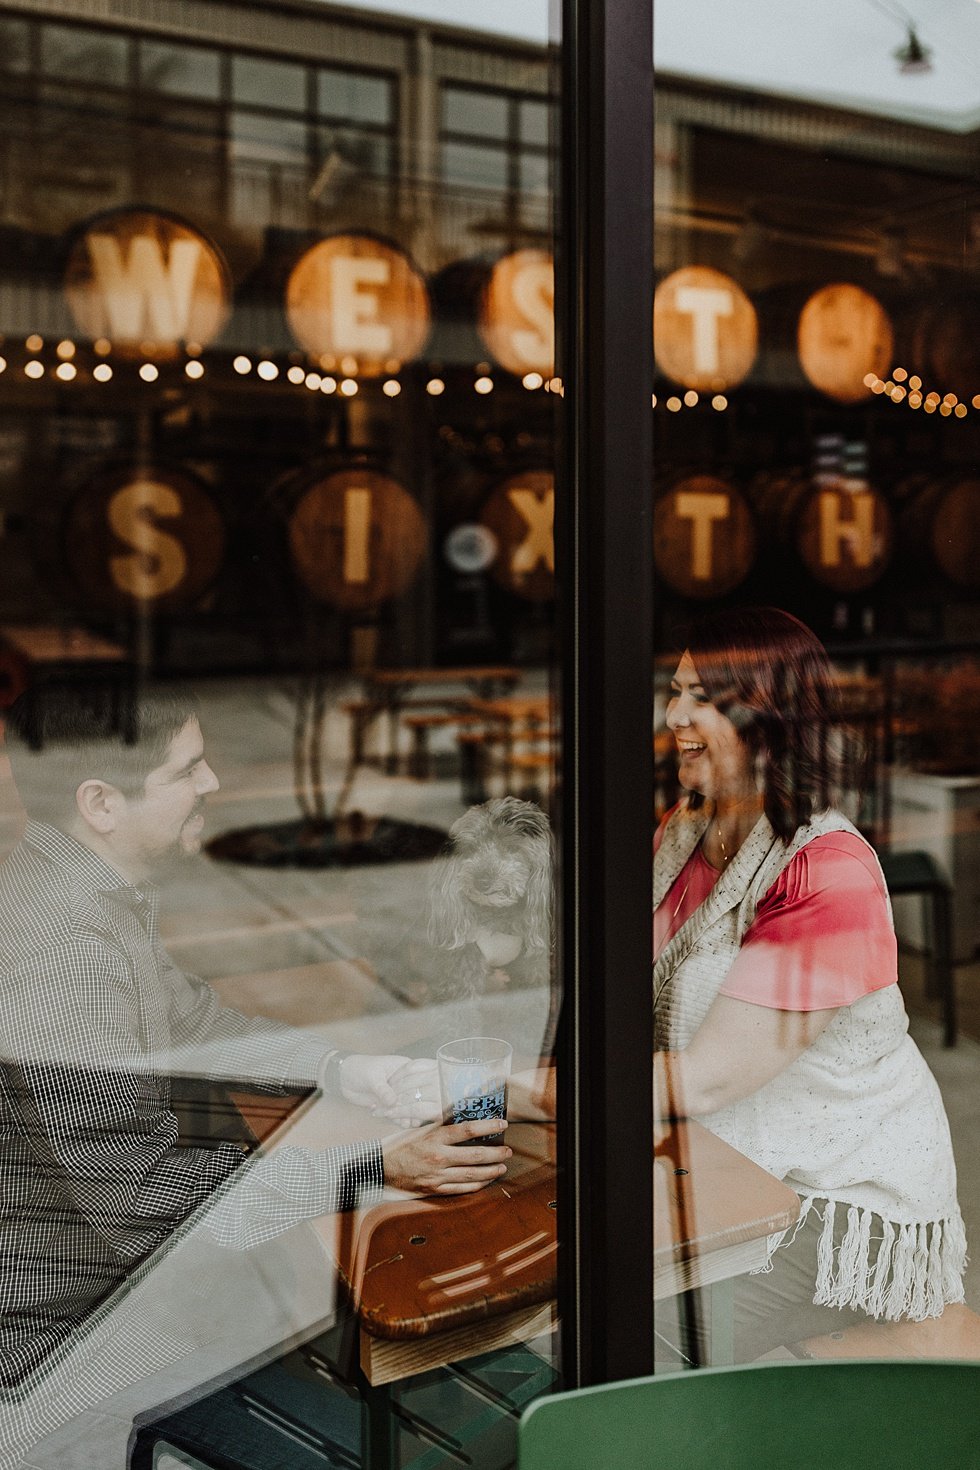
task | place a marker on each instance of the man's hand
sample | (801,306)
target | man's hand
(430,1161)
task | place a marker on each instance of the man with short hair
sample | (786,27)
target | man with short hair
(94,1022)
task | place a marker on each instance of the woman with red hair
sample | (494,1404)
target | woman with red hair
(779,1022)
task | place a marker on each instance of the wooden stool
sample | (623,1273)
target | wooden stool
(419,759)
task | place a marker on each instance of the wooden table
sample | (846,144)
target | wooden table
(387,692)
(55,648)
(434,1282)
(439,1279)
(510,721)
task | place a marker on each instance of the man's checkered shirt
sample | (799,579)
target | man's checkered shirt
(94,1019)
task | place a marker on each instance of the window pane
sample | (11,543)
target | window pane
(257,136)
(788,297)
(15,42)
(268,83)
(534,170)
(467,163)
(228,477)
(368,153)
(187,71)
(354,95)
(534,122)
(481,114)
(84,55)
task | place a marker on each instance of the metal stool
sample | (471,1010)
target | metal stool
(918,872)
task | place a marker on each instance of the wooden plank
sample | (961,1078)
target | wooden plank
(384,1360)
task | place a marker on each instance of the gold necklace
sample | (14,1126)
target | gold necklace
(677,905)
(726,857)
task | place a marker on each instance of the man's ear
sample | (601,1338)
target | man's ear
(98,803)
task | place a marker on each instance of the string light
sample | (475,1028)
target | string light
(532,380)
(149,372)
(267,370)
(34,343)
(102,372)
(296,375)
(34,369)
(674,405)
(242,364)
(948,405)
(194,369)
(391,388)
(719,402)
(102,346)
(484,385)
(65,350)
(653,400)
(435,386)
(348,387)
(3,364)
(555,385)
(66,371)
(328,385)
(690,398)
(313,380)
(348,366)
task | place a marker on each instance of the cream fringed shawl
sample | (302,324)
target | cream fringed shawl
(855,1124)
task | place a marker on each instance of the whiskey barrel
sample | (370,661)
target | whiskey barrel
(358,304)
(357,539)
(143,537)
(843,536)
(944,344)
(147,282)
(705,329)
(704,536)
(516,312)
(520,513)
(940,529)
(844,333)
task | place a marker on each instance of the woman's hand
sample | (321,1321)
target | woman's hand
(432,1161)
(416,1093)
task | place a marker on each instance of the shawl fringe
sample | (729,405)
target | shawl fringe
(914,1272)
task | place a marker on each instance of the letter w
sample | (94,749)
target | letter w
(145,296)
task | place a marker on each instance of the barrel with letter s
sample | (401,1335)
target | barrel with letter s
(143,537)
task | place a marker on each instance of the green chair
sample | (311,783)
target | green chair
(765,1416)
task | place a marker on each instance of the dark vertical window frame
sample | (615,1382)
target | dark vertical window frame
(604,539)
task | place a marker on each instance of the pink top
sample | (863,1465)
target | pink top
(821,937)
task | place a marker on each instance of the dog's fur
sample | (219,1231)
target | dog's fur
(498,874)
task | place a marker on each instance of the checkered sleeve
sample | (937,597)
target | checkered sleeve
(95,1118)
(270,1194)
